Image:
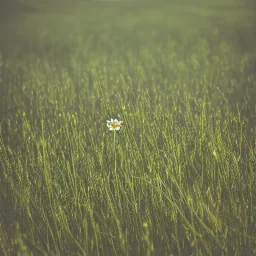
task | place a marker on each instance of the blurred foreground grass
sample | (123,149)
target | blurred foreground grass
(181,77)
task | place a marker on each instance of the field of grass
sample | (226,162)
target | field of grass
(180,176)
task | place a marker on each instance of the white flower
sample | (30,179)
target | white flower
(114,124)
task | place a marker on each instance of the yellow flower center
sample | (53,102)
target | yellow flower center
(115,125)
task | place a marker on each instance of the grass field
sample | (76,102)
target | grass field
(180,176)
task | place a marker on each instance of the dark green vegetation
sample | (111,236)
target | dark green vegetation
(181,77)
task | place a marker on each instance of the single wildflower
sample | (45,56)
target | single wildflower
(114,124)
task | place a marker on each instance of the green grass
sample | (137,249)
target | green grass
(180,178)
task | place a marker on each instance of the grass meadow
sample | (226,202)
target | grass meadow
(180,176)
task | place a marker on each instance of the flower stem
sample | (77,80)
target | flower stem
(115,149)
